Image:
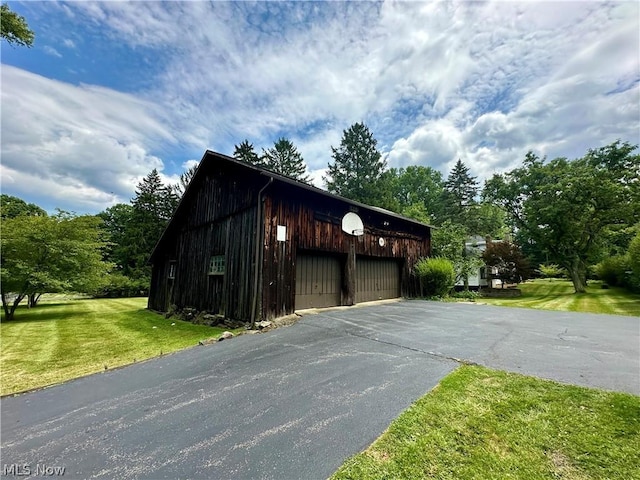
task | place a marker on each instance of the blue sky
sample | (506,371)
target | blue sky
(111,90)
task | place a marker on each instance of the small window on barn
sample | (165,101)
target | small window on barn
(172,270)
(217,265)
(483,273)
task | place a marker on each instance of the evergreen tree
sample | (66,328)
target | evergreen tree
(246,153)
(285,159)
(185,178)
(151,210)
(459,194)
(358,167)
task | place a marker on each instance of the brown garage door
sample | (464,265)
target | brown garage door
(318,281)
(377,279)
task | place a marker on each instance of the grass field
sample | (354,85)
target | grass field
(485,424)
(554,294)
(63,339)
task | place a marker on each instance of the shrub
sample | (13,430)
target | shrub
(119,286)
(614,270)
(467,295)
(436,276)
(551,270)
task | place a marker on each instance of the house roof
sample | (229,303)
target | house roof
(210,155)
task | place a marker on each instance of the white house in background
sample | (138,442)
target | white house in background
(479,279)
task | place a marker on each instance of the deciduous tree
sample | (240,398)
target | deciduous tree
(42,254)
(565,206)
(418,190)
(11,207)
(510,265)
(14,29)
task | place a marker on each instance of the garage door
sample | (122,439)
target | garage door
(377,279)
(318,281)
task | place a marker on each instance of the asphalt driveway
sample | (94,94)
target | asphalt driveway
(297,401)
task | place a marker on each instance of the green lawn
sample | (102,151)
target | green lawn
(485,424)
(63,339)
(554,294)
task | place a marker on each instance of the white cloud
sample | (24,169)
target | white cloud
(52,51)
(82,146)
(435,81)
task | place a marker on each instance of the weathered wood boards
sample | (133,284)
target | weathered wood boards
(230,206)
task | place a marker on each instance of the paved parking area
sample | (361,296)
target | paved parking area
(297,401)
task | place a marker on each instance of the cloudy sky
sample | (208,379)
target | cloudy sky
(111,90)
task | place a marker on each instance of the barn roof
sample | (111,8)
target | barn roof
(210,155)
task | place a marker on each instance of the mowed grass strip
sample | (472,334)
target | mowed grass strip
(485,424)
(555,294)
(60,340)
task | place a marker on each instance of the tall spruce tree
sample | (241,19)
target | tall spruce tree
(357,171)
(246,153)
(184,180)
(460,191)
(284,158)
(152,208)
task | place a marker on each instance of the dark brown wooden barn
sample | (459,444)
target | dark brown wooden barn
(251,244)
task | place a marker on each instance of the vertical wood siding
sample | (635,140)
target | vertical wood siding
(313,224)
(218,217)
(219,220)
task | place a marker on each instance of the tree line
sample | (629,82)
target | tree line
(582,215)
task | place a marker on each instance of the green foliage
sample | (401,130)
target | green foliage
(436,276)
(460,191)
(184,180)
(11,207)
(285,159)
(246,153)
(448,241)
(614,270)
(551,270)
(565,207)
(116,220)
(50,254)
(14,29)
(357,170)
(634,255)
(151,210)
(119,286)
(507,259)
(417,190)
(467,295)
(416,211)
(485,219)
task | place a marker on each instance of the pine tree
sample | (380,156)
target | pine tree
(458,197)
(285,159)
(246,153)
(152,208)
(185,178)
(358,167)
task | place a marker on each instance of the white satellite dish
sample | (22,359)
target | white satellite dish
(352,224)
